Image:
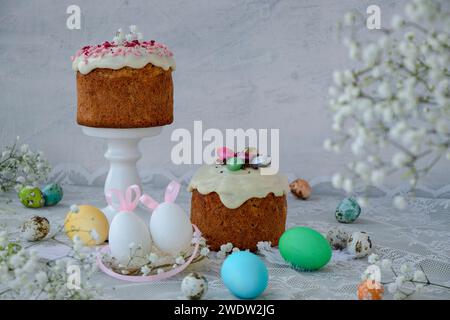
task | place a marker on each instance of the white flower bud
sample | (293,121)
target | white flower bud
(400,202)
(348,185)
(328,145)
(400,159)
(419,276)
(373,258)
(384,90)
(397,22)
(349,18)
(336,180)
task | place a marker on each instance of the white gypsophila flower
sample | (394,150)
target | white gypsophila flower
(132,245)
(399,280)
(264,245)
(153,258)
(405,268)
(396,104)
(419,276)
(386,264)
(397,22)
(235,249)
(327,145)
(221,255)
(377,177)
(349,18)
(204,251)
(74,208)
(384,90)
(133,28)
(337,180)
(20,180)
(400,202)
(160,271)
(371,54)
(180,260)
(145,270)
(400,159)
(347,185)
(373,258)
(362,201)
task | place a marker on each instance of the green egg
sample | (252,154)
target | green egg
(234,164)
(53,193)
(31,197)
(304,248)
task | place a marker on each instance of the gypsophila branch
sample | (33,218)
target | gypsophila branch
(393,111)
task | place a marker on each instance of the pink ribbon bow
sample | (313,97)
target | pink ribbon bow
(170,196)
(126,201)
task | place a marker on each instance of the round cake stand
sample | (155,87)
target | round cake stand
(122,154)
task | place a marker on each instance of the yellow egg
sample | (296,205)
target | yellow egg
(87,222)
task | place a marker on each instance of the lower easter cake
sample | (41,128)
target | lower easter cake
(242,207)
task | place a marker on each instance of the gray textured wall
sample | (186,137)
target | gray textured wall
(260,64)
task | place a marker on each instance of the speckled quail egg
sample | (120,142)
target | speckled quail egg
(36,228)
(194,286)
(337,237)
(359,244)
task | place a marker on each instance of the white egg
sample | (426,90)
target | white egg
(129,239)
(170,228)
(359,244)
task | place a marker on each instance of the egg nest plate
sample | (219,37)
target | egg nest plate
(164,268)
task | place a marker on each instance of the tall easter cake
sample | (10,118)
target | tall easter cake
(126,83)
(238,206)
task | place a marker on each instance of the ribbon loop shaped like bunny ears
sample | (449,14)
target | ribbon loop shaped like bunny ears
(171,194)
(126,201)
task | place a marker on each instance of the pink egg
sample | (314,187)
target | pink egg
(224,153)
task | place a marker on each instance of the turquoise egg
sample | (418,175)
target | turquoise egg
(53,193)
(244,274)
(31,197)
(347,211)
(304,248)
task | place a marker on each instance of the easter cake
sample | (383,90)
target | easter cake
(238,206)
(126,83)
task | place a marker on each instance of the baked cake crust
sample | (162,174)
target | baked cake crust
(125,98)
(257,219)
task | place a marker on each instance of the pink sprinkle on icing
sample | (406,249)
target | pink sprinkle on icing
(126,48)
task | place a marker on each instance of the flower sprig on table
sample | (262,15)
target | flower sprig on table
(19,166)
(404,282)
(23,275)
(156,262)
(394,111)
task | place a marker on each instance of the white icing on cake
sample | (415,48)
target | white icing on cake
(125,51)
(118,62)
(236,187)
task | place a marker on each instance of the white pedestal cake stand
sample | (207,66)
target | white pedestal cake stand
(122,154)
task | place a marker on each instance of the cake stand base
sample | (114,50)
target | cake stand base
(122,154)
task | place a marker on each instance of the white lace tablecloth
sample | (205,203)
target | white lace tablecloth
(420,235)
